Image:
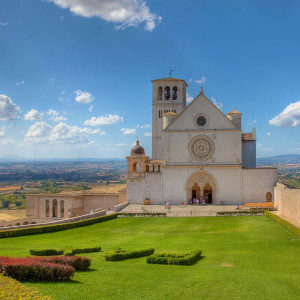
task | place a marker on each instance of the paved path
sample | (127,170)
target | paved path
(178,210)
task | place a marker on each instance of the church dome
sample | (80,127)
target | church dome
(137,149)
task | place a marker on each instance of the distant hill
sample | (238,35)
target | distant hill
(279,159)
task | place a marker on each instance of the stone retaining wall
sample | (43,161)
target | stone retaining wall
(287,203)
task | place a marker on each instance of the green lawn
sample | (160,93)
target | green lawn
(244,257)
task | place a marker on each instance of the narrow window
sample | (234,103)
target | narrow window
(47,208)
(159,93)
(167,93)
(62,208)
(174,93)
(147,168)
(54,208)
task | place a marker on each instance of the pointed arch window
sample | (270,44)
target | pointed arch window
(167,93)
(159,93)
(174,93)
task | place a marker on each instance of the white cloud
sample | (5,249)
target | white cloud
(104,120)
(200,81)
(55,116)
(83,97)
(20,82)
(102,132)
(267,149)
(91,107)
(148,133)
(268,133)
(127,131)
(219,105)
(41,132)
(253,122)
(8,110)
(189,98)
(33,115)
(289,117)
(126,13)
(259,145)
(3,23)
(61,97)
(143,126)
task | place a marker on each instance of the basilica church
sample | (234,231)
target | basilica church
(197,152)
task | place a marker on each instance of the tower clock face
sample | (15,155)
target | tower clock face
(201,147)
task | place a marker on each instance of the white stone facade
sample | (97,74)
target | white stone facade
(197,152)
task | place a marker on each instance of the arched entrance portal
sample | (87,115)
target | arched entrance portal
(208,193)
(195,191)
(203,185)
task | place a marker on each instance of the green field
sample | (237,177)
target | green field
(243,257)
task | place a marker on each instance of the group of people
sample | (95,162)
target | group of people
(201,201)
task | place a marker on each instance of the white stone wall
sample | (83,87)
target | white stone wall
(227,146)
(138,189)
(226,191)
(258,182)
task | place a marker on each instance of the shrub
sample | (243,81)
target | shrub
(29,268)
(123,254)
(85,250)
(241,213)
(12,289)
(78,263)
(283,223)
(174,259)
(46,252)
(55,227)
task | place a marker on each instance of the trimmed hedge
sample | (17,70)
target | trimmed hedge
(13,289)
(175,259)
(46,252)
(142,215)
(119,254)
(55,227)
(241,213)
(283,223)
(28,269)
(84,250)
(77,262)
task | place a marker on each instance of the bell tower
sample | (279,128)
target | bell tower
(169,95)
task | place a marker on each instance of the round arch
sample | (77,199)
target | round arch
(203,179)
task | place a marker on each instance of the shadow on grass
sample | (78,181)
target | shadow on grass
(88,270)
(71,281)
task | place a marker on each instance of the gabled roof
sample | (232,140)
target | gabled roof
(200,95)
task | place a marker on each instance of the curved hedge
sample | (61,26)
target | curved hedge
(28,269)
(77,262)
(13,289)
(55,227)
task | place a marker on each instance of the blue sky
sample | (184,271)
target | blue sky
(75,75)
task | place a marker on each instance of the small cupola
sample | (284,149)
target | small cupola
(137,149)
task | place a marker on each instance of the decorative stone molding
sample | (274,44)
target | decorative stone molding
(201,147)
